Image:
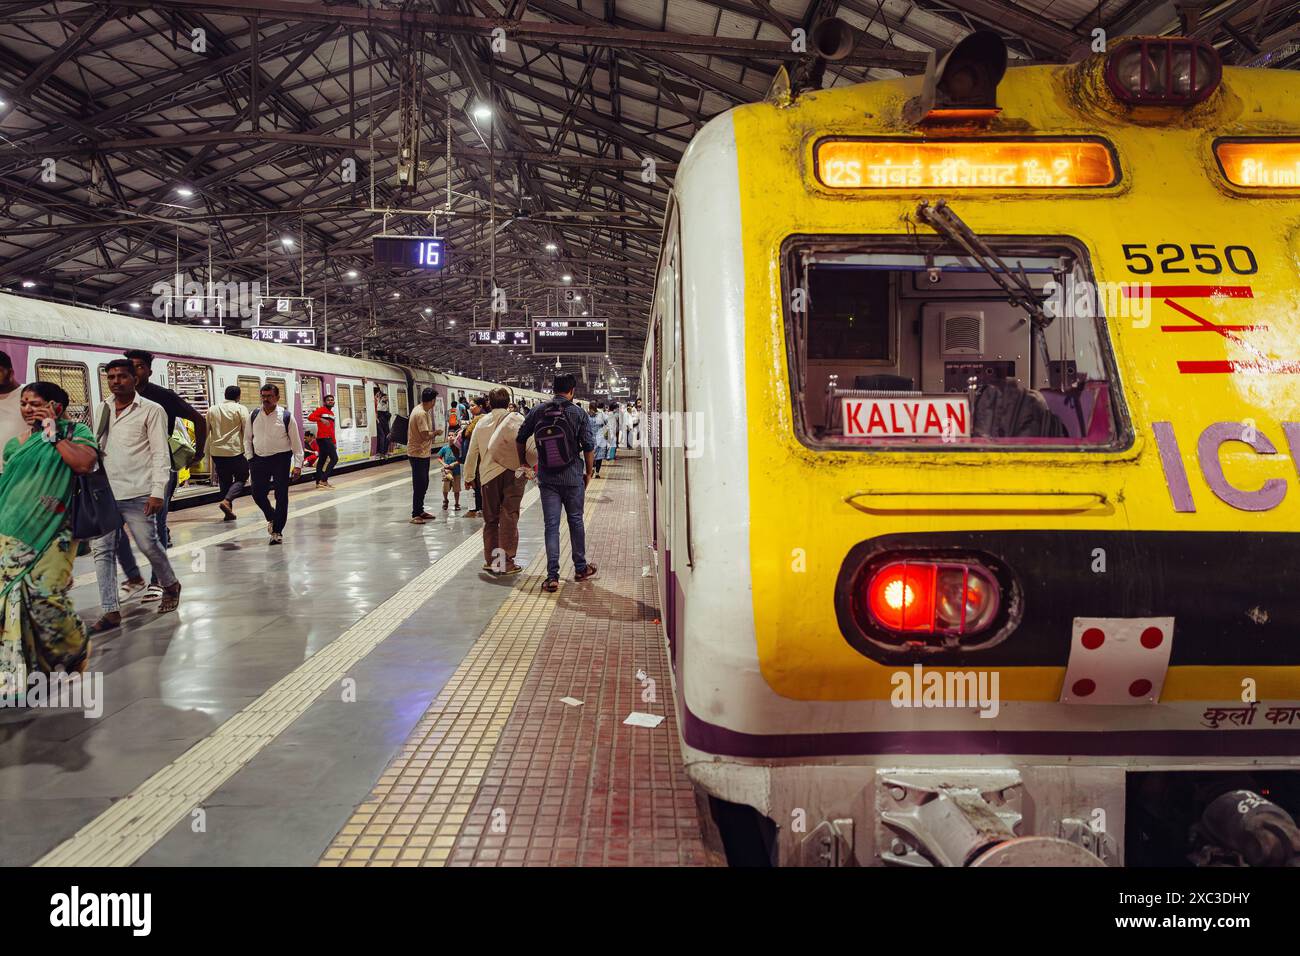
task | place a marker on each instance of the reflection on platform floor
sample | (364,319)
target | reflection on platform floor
(251,727)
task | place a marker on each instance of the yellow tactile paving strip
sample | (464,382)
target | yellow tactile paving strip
(125,832)
(417,807)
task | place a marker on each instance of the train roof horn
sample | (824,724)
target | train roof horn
(962,87)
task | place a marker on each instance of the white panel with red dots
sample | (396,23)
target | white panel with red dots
(1118,660)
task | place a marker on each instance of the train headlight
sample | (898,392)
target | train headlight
(1158,71)
(932,597)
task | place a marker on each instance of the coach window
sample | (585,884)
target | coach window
(343,397)
(73,378)
(310,387)
(359,404)
(250,389)
(403,403)
(283,386)
(898,345)
(104,391)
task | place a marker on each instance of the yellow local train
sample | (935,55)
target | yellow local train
(975,419)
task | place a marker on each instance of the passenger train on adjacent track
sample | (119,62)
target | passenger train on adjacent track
(71,345)
(974,492)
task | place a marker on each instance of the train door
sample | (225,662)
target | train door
(193,383)
(363,414)
(401,405)
(350,420)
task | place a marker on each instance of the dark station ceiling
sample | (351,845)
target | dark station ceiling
(142,138)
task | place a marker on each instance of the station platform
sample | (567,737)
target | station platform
(366,695)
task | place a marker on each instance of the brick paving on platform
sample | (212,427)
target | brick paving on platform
(550,784)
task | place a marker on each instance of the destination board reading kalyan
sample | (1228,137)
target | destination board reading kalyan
(968,164)
(560,336)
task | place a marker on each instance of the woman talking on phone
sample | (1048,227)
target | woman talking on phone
(39,630)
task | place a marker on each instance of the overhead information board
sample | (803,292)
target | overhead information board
(409,252)
(516,338)
(570,336)
(284,335)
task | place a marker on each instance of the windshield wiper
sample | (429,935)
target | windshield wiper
(1020,292)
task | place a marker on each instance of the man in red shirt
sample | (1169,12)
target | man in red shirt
(329,453)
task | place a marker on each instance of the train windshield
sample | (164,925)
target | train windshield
(915,344)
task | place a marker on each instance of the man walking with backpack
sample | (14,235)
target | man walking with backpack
(274,452)
(565,446)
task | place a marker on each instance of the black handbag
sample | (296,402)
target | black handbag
(94,509)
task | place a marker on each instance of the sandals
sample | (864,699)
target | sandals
(171,597)
(588,572)
(104,625)
(551,585)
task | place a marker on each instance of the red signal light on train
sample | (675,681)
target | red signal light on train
(1157,71)
(932,597)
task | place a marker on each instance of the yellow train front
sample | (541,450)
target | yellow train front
(975,485)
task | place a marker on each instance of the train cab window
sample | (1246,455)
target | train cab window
(73,378)
(359,404)
(918,345)
(343,399)
(250,391)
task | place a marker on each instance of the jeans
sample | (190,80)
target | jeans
(232,473)
(419,484)
(381,426)
(272,471)
(571,498)
(126,557)
(329,457)
(105,548)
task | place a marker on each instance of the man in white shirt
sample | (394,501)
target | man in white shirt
(11,413)
(131,433)
(274,452)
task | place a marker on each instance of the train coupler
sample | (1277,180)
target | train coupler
(963,818)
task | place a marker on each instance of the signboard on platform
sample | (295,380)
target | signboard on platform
(567,336)
(516,338)
(283,335)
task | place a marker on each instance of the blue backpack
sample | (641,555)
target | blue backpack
(557,444)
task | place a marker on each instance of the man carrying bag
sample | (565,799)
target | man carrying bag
(494,459)
(565,447)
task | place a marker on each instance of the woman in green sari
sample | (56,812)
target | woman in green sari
(39,630)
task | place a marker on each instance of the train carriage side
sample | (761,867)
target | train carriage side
(1041,558)
(71,345)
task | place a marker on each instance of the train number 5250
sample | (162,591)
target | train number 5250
(1204,257)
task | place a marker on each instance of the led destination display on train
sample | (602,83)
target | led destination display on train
(997,164)
(1260,163)
(583,336)
(512,337)
(409,252)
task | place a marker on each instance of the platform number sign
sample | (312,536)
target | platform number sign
(282,305)
(570,295)
(409,252)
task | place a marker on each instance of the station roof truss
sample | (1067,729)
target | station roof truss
(526,124)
